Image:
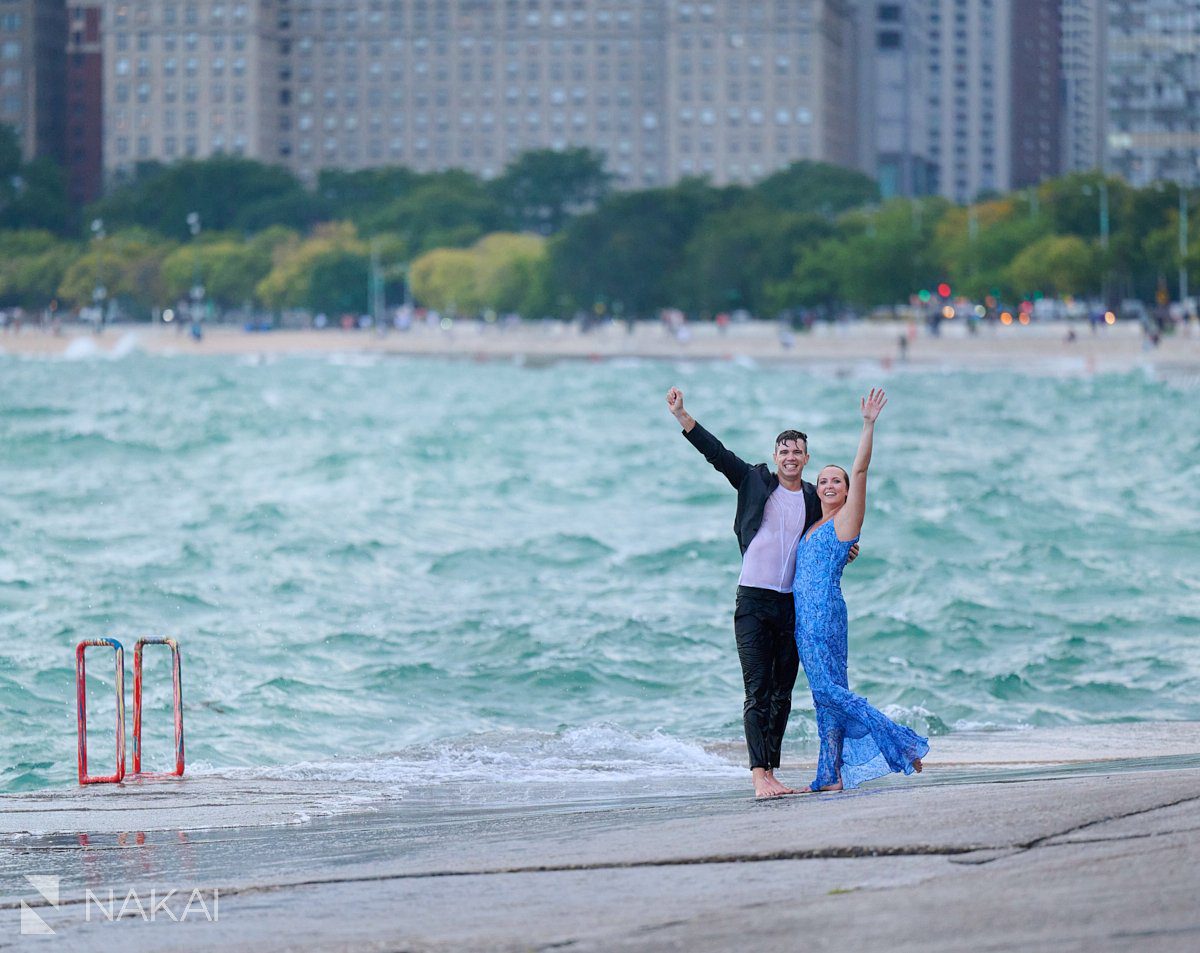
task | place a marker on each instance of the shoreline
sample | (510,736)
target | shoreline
(1033,348)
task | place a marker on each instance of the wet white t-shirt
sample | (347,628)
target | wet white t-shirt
(770,560)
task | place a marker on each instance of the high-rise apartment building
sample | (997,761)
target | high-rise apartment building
(750,87)
(970,96)
(33,74)
(189,78)
(893,112)
(83,150)
(1153,91)
(434,85)
(995,94)
(1037,93)
(1084,36)
(731,89)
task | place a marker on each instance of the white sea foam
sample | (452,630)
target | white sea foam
(964,724)
(86,348)
(126,344)
(602,753)
(81,349)
(353,359)
(906,712)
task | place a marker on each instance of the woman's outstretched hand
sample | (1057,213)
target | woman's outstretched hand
(872,404)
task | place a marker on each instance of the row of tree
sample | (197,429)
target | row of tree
(549,236)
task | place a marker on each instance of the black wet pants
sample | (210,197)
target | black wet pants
(764,623)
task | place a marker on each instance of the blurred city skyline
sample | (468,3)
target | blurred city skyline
(959,98)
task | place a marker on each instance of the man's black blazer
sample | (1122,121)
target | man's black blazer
(754,484)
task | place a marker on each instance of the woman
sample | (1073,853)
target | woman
(858,742)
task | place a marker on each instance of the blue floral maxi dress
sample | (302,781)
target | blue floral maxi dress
(858,742)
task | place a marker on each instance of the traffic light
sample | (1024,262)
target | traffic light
(944,290)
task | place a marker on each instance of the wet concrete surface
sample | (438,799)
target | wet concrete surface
(1082,855)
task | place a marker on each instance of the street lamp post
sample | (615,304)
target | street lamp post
(1103,190)
(99,293)
(972,235)
(197,292)
(375,288)
(1183,248)
(1104,215)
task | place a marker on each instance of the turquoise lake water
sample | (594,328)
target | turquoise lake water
(401,568)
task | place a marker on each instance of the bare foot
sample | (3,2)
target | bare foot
(836,786)
(784,787)
(765,784)
(917,766)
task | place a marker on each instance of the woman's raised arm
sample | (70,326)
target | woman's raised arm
(848,522)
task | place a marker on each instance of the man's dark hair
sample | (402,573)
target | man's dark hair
(791,435)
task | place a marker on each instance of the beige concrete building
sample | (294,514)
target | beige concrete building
(753,86)
(732,89)
(33,74)
(436,85)
(188,78)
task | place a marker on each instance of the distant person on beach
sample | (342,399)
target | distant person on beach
(858,742)
(773,511)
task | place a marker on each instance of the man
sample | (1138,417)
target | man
(774,510)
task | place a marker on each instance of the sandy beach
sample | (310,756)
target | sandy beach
(1020,841)
(1033,348)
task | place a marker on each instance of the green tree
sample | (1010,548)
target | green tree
(128,265)
(510,272)
(228,193)
(816,187)
(338,282)
(1073,203)
(358,195)
(326,272)
(539,190)
(1139,256)
(503,271)
(976,258)
(1056,265)
(814,281)
(736,254)
(229,270)
(886,254)
(39,199)
(32,194)
(450,209)
(10,154)
(1160,249)
(445,279)
(628,251)
(32,266)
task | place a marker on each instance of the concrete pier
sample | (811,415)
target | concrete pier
(1012,853)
